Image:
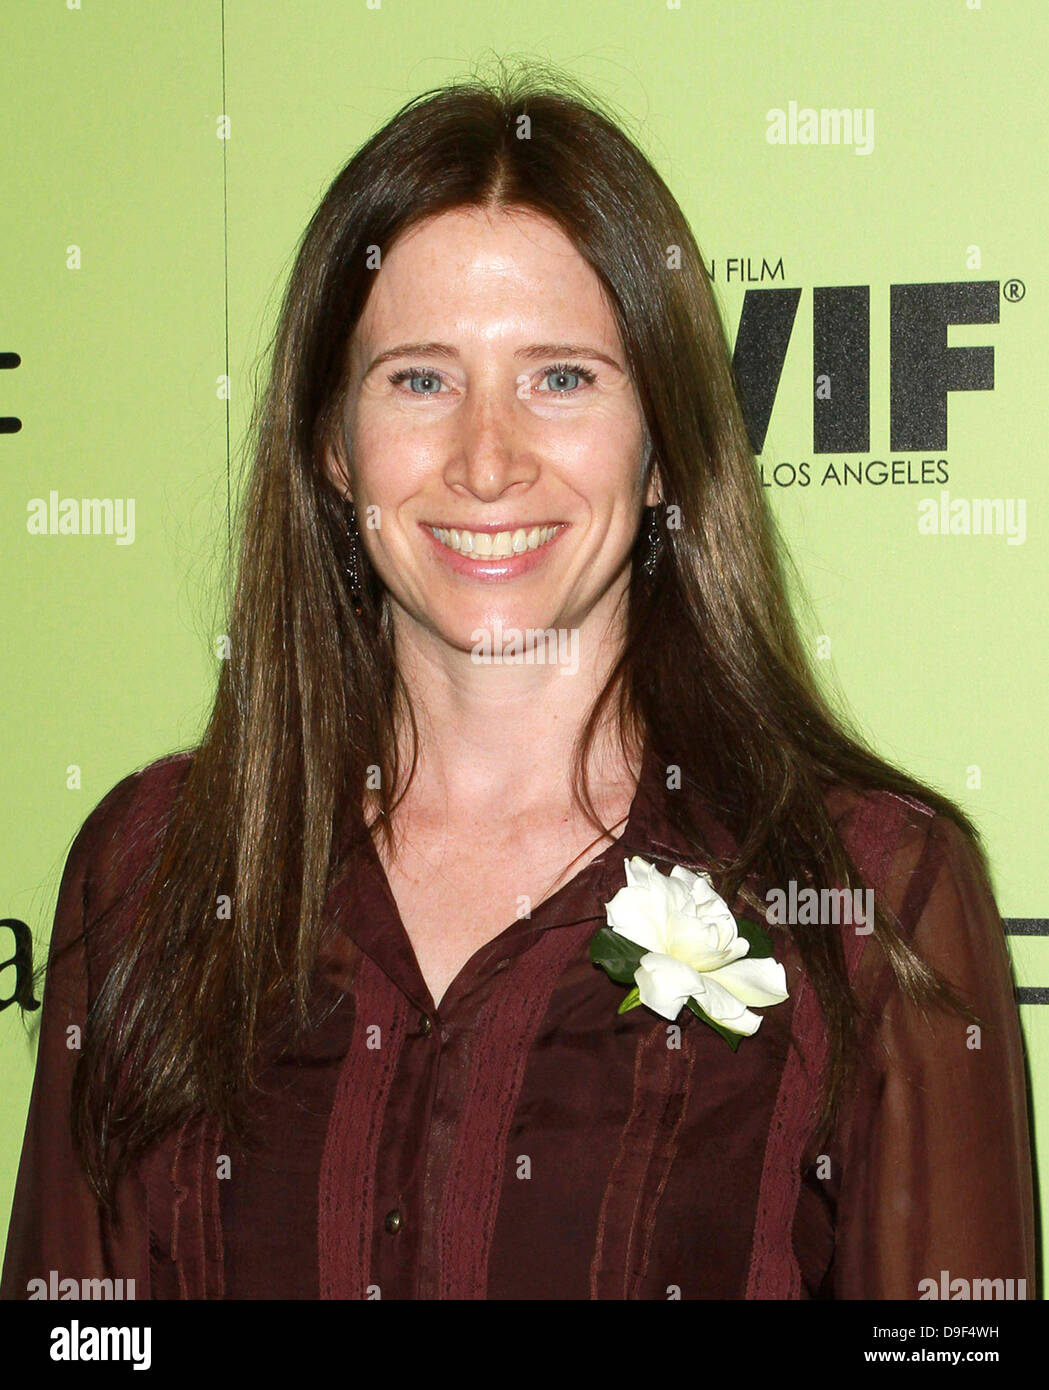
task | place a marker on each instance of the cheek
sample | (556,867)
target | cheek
(366,437)
(388,465)
(613,454)
(614,487)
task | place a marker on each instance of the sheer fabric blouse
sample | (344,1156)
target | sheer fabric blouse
(524,1140)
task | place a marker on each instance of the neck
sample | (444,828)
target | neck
(503,735)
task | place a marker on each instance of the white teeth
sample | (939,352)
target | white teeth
(486,545)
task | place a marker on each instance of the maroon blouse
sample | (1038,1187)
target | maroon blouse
(524,1140)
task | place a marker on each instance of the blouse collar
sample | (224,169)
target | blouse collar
(362,906)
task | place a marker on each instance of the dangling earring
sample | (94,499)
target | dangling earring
(353,567)
(655,541)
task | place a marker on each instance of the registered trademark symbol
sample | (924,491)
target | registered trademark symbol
(1014,290)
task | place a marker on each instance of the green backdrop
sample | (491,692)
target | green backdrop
(145,246)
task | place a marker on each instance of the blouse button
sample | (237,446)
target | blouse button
(424,1025)
(393,1221)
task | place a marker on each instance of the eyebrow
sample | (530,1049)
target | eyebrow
(536,352)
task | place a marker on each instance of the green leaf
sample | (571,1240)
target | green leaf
(733,1039)
(616,954)
(631,1001)
(760,941)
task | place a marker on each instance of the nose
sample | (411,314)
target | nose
(490,452)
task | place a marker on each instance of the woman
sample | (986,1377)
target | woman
(510,637)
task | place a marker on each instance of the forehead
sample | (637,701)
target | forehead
(487,272)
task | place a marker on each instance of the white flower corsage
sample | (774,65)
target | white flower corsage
(675,940)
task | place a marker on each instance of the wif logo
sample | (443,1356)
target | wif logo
(923,369)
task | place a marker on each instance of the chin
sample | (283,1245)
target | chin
(507,637)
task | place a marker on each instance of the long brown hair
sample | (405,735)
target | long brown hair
(713,672)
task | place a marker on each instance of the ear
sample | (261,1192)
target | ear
(654,490)
(337,468)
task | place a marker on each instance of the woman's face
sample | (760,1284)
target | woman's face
(489,400)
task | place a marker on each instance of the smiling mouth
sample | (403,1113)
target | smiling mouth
(494,545)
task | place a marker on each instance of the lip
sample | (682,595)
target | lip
(492,527)
(497,567)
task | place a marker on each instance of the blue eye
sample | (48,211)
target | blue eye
(563,369)
(560,369)
(414,374)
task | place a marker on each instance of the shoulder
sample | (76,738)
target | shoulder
(133,809)
(903,847)
(933,876)
(106,862)
(119,836)
(870,818)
